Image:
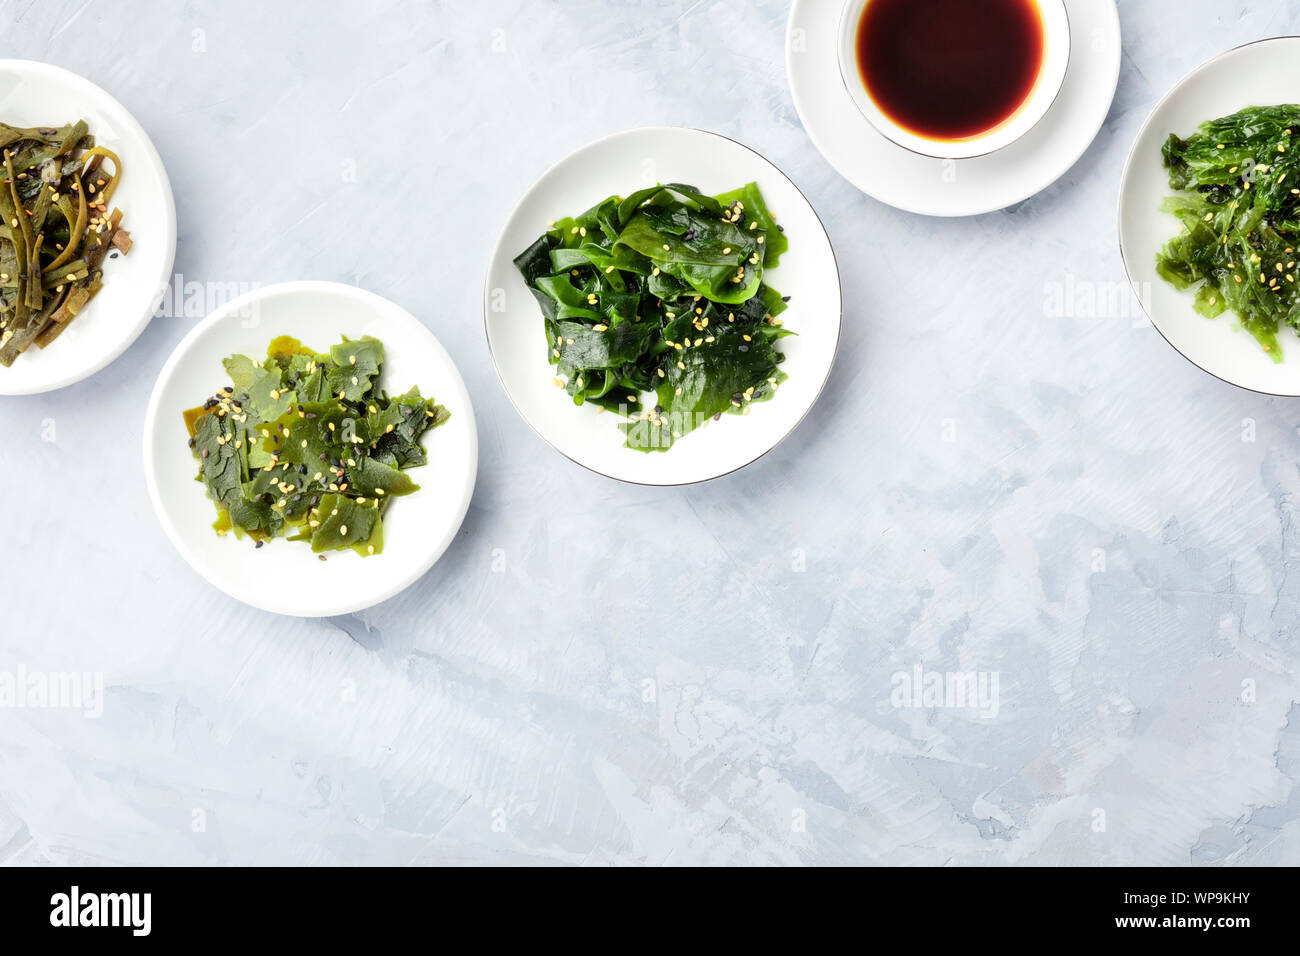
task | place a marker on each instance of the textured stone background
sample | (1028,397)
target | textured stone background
(631,675)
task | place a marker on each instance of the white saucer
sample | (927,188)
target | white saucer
(951,187)
(37,94)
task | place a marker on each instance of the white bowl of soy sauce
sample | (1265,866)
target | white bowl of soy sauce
(954,79)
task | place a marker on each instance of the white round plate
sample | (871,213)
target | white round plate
(1265,73)
(285,576)
(615,166)
(951,187)
(36,94)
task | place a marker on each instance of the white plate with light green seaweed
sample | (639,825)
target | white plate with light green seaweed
(286,576)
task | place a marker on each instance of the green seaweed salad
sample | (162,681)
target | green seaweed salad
(304,446)
(662,292)
(1240,210)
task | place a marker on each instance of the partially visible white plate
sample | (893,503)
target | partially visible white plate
(618,165)
(286,577)
(37,94)
(1264,73)
(951,187)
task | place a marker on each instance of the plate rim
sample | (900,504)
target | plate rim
(942,214)
(1119,205)
(170,237)
(498,247)
(231,309)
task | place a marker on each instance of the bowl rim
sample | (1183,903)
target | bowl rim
(1057,49)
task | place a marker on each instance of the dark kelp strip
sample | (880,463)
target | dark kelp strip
(56,229)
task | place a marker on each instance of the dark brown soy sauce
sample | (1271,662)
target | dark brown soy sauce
(949,69)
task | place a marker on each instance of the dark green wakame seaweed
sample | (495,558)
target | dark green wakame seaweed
(662,292)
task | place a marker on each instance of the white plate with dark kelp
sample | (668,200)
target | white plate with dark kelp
(1247,157)
(35,95)
(644,330)
(286,576)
